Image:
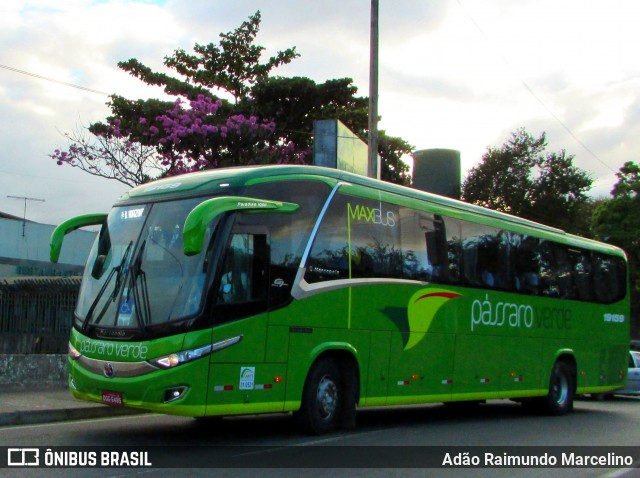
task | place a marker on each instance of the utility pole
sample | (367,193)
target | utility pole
(374,165)
(24,214)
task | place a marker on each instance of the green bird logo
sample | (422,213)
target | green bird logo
(423,307)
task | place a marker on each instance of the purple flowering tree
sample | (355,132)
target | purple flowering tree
(110,157)
(190,136)
(195,137)
(146,139)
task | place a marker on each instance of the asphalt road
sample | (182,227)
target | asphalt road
(393,436)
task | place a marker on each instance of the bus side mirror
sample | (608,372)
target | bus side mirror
(195,226)
(98,266)
(57,237)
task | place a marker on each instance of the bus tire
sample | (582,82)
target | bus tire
(322,398)
(559,400)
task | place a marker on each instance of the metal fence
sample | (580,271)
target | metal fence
(36,314)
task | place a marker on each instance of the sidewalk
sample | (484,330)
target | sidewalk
(29,407)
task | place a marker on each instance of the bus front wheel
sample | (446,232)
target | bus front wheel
(323,397)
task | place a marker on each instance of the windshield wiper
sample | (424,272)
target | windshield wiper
(140,295)
(116,270)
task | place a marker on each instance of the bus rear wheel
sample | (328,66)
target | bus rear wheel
(322,398)
(559,399)
(561,389)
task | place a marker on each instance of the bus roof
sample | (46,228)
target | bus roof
(216,180)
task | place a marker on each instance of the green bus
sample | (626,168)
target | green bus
(316,291)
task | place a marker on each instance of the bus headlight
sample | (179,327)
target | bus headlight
(73,352)
(179,358)
(185,356)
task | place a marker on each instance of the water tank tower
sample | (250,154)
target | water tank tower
(437,171)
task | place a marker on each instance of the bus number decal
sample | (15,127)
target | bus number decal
(132,214)
(616,318)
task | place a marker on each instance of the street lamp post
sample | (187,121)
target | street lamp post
(374,165)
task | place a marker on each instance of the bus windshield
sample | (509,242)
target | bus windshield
(137,255)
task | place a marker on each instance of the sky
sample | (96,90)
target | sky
(460,74)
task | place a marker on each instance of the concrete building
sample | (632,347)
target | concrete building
(24,249)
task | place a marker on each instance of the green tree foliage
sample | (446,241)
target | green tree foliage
(294,103)
(628,185)
(230,69)
(617,220)
(521,178)
(392,150)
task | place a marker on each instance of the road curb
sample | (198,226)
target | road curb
(61,415)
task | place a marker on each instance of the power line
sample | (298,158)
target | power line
(41,77)
(91,90)
(532,92)
(24,217)
(48,178)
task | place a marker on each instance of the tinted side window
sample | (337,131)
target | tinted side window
(564,273)
(423,241)
(581,269)
(609,278)
(431,246)
(526,265)
(555,271)
(243,276)
(481,256)
(288,233)
(358,238)
(364,238)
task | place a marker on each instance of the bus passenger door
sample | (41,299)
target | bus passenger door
(239,380)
